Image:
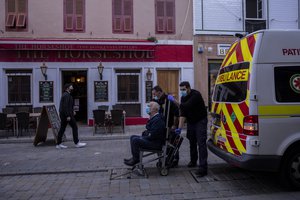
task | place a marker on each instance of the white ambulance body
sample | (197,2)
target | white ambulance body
(256,104)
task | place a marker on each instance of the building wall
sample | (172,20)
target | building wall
(45,20)
(45,23)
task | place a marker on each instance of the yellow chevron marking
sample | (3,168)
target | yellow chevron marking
(245,50)
(240,118)
(279,110)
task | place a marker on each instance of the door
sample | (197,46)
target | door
(168,80)
(79,80)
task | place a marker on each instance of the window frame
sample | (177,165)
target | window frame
(138,101)
(119,21)
(29,93)
(257,22)
(165,24)
(75,17)
(16,21)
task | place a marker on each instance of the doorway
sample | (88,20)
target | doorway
(168,80)
(79,80)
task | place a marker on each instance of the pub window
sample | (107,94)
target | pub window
(74,15)
(122,16)
(128,86)
(19,88)
(16,15)
(165,16)
(255,16)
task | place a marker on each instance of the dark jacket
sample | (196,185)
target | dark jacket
(174,110)
(66,105)
(156,130)
(193,107)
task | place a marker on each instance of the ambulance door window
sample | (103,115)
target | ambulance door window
(287,83)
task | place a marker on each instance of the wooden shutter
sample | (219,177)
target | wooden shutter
(79,12)
(160,15)
(22,13)
(117,15)
(11,13)
(69,13)
(170,16)
(128,15)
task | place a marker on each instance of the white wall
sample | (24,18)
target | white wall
(283,14)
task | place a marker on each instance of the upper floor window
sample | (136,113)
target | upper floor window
(165,16)
(16,15)
(122,16)
(74,15)
(255,16)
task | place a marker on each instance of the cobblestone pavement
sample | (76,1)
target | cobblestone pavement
(95,172)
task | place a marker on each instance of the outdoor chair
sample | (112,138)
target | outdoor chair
(5,123)
(117,119)
(99,120)
(23,123)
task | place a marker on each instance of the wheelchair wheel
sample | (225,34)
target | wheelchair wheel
(164,171)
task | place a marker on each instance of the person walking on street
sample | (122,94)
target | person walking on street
(193,110)
(66,113)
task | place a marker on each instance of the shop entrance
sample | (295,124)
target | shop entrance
(168,80)
(79,80)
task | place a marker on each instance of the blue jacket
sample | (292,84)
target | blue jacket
(156,130)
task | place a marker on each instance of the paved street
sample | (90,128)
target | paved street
(95,172)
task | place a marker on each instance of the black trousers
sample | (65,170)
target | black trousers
(197,136)
(63,126)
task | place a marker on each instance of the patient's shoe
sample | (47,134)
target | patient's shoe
(127,159)
(131,162)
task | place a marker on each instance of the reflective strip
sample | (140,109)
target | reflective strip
(286,110)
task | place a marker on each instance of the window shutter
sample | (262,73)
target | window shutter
(21,20)
(79,14)
(117,15)
(11,13)
(160,14)
(170,16)
(128,15)
(69,14)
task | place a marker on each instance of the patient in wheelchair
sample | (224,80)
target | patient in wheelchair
(153,138)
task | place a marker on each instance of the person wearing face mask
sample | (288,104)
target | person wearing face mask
(66,113)
(161,98)
(193,110)
(152,138)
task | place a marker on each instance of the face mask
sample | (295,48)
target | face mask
(155,98)
(147,110)
(183,93)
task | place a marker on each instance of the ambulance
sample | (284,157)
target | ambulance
(256,105)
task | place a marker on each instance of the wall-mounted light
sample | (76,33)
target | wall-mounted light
(100,70)
(149,75)
(200,48)
(44,70)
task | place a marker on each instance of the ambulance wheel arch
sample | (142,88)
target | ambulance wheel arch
(290,167)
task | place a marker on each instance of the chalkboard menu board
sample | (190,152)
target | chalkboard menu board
(46,91)
(101,91)
(149,85)
(50,116)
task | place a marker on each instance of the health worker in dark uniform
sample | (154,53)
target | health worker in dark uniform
(193,110)
(161,98)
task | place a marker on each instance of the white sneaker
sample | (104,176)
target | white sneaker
(80,144)
(61,146)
